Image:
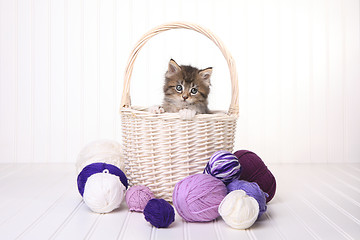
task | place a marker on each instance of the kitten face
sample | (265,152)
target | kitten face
(186,87)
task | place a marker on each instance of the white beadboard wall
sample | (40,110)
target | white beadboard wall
(62,63)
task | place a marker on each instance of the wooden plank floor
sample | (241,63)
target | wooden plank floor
(40,201)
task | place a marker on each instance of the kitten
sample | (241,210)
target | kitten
(186,87)
(186,90)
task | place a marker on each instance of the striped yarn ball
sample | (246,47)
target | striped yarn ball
(223,165)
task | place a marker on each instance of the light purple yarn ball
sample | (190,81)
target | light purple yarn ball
(137,197)
(251,189)
(223,165)
(197,197)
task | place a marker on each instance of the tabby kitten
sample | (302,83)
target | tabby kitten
(186,87)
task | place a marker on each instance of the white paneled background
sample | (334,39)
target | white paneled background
(62,62)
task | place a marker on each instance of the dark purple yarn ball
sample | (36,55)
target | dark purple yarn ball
(98,168)
(251,189)
(159,213)
(255,170)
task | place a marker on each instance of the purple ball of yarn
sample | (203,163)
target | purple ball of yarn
(252,189)
(159,213)
(255,170)
(197,197)
(137,197)
(223,165)
(98,168)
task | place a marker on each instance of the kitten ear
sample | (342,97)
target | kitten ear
(173,68)
(205,74)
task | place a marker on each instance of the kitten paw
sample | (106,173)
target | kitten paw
(187,114)
(156,109)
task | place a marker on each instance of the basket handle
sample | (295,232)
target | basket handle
(126,100)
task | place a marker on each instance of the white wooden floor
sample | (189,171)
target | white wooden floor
(40,201)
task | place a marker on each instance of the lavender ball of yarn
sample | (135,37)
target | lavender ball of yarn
(159,213)
(197,197)
(223,165)
(252,189)
(137,197)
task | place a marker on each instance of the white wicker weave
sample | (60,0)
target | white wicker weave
(161,149)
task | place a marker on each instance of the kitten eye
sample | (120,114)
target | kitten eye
(179,88)
(194,91)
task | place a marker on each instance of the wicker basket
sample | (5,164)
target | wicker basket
(157,152)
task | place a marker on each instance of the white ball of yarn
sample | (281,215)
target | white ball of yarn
(239,210)
(103,192)
(105,151)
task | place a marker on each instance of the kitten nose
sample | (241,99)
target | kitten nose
(185,97)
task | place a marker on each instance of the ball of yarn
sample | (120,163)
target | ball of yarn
(159,213)
(223,165)
(238,210)
(255,170)
(98,168)
(102,186)
(197,197)
(106,151)
(137,197)
(103,192)
(251,189)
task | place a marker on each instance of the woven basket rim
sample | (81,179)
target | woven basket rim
(215,116)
